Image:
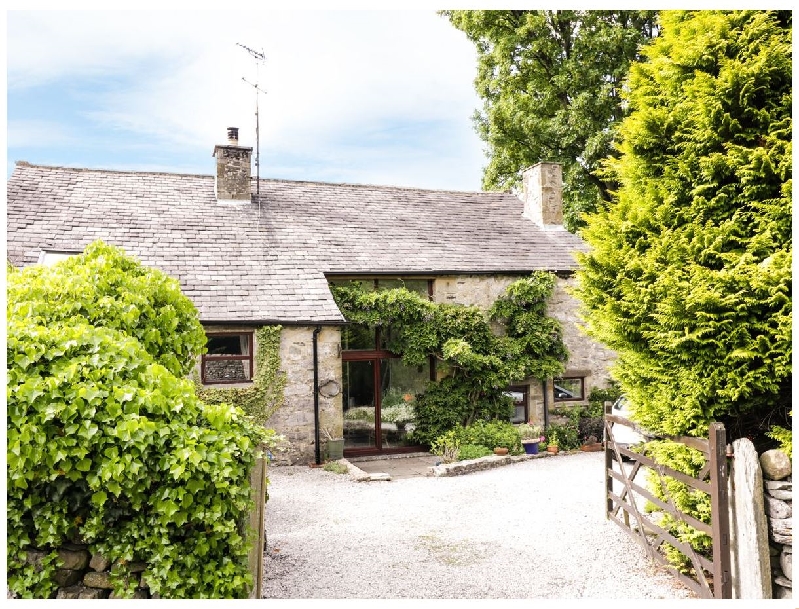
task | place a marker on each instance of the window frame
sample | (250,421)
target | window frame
(574,377)
(525,391)
(250,359)
(51,257)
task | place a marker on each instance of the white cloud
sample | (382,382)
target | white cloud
(332,77)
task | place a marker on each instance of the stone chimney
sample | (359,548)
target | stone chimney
(233,170)
(542,193)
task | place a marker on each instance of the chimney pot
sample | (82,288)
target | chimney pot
(233,136)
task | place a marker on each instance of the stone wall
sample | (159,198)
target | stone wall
(86,576)
(295,419)
(778,501)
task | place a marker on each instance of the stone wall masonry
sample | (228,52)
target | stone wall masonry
(83,575)
(295,419)
(778,501)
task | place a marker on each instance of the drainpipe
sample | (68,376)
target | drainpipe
(546,405)
(316,332)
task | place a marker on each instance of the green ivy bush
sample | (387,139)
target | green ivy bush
(107,442)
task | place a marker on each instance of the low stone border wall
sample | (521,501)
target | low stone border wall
(86,576)
(458,468)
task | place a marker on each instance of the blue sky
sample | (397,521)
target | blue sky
(380,97)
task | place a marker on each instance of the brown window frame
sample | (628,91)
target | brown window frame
(570,378)
(218,358)
(525,390)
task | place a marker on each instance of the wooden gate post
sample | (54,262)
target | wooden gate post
(608,461)
(719,502)
(256,524)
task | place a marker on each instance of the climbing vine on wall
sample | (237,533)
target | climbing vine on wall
(481,363)
(261,399)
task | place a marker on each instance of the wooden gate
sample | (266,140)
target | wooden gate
(711,579)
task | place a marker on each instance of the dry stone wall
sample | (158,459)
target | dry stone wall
(82,575)
(778,501)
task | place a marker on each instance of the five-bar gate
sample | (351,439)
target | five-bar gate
(626,498)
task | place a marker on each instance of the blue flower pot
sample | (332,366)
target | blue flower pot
(531,448)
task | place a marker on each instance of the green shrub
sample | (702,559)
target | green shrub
(447,445)
(473,451)
(335,467)
(107,441)
(598,397)
(486,434)
(104,287)
(564,435)
(784,437)
(588,427)
(449,404)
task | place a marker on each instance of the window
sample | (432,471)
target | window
(50,257)
(570,389)
(229,358)
(519,396)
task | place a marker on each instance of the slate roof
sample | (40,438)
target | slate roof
(267,262)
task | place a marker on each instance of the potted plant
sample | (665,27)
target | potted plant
(553,438)
(335,446)
(530,435)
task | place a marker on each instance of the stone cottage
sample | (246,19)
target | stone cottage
(252,253)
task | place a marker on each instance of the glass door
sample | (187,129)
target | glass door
(399,385)
(359,404)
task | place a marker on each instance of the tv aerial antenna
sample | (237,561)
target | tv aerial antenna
(260,58)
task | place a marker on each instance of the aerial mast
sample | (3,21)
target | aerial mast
(259,59)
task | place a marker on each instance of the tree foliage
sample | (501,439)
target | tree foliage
(689,274)
(550,83)
(107,442)
(481,364)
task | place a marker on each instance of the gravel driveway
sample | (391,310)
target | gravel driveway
(534,529)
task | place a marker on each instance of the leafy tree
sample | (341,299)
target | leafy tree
(689,274)
(550,82)
(107,441)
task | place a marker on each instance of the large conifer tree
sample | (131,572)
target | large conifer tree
(689,274)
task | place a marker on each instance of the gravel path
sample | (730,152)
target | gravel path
(534,529)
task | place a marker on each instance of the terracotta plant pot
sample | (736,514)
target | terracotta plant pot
(552,449)
(500,451)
